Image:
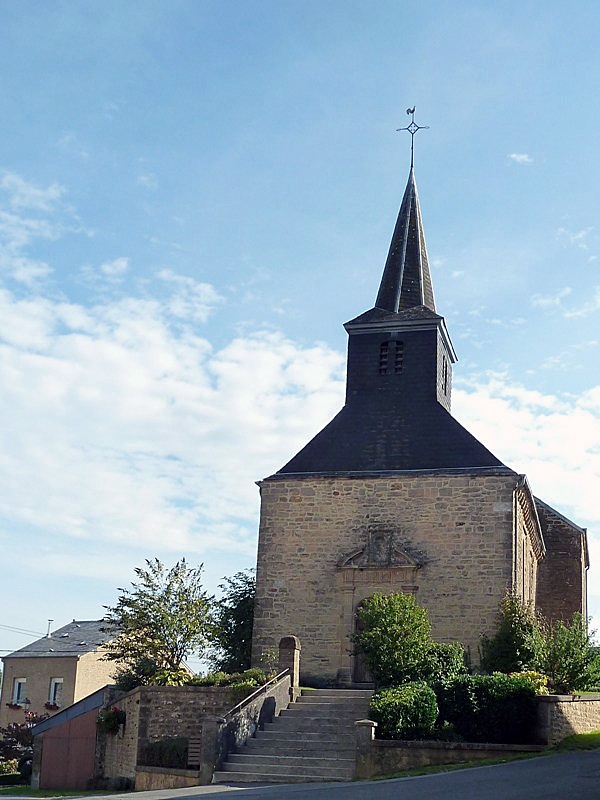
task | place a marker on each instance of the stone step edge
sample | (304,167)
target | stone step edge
(267,777)
(322,762)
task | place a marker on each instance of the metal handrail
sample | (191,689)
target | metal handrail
(256,693)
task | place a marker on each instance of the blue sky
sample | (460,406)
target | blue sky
(194,196)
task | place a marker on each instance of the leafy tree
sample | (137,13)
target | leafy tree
(139,673)
(16,741)
(519,643)
(395,637)
(233,617)
(571,661)
(165,617)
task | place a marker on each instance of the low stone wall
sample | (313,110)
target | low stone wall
(159,712)
(375,757)
(240,726)
(560,716)
(153,778)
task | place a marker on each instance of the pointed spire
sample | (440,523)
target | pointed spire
(406,280)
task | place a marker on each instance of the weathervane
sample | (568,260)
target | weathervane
(412,129)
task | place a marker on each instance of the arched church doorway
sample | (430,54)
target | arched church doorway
(360,670)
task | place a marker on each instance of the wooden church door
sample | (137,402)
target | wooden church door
(360,670)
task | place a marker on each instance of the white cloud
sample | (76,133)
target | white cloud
(70,144)
(190,299)
(115,268)
(555,440)
(148,180)
(25,195)
(520,158)
(579,238)
(587,308)
(120,427)
(550,300)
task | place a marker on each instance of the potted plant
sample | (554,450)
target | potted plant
(109,720)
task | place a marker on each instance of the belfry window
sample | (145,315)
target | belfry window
(399,358)
(383,358)
(391,358)
(445,376)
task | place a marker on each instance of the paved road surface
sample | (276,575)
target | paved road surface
(572,776)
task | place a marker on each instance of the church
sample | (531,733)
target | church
(395,495)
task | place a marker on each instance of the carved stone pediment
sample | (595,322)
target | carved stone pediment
(380,551)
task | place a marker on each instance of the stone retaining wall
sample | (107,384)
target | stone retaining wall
(385,757)
(153,778)
(560,716)
(159,712)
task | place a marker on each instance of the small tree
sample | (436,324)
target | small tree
(233,617)
(164,617)
(16,741)
(571,662)
(395,637)
(519,643)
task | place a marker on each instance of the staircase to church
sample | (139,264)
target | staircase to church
(312,740)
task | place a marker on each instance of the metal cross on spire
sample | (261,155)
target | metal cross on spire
(412,129)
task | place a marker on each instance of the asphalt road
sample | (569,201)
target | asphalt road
(572,776)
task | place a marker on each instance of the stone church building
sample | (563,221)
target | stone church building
(395,495)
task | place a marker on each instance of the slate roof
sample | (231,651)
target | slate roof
(74,639)
(410,430)
(416,436)
(406,279)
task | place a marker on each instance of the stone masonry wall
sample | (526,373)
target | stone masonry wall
(561,716)
(159,712)
(562,575)
(458,526)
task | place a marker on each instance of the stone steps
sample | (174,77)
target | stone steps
(312,740)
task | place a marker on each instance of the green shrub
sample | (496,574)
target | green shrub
(170,752)
(249,678)
(572,663)
(539,681)
(489,708)
(404,712)
(12,779)
(212,679)
(443,661)
(170,677)
(257,674)
(395,638)
(109,720)
(9,767)
(519,644)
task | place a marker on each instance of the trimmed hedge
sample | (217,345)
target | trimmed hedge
(489,708)
(405,712)
(12,779)
(444,660)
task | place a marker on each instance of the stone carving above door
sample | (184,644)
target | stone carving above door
(380,551)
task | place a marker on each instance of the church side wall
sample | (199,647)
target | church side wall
(526,561)
(459,527)
(562,574)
